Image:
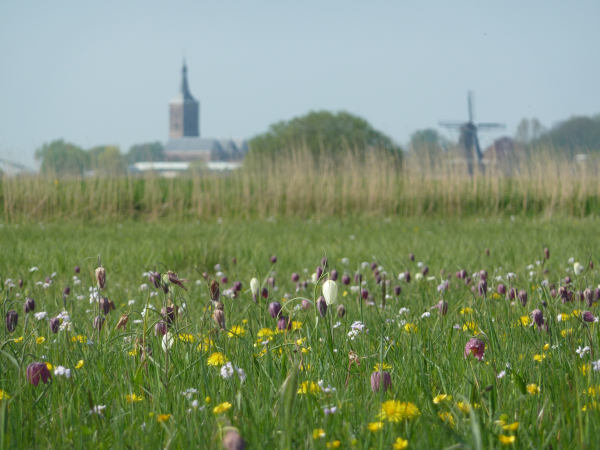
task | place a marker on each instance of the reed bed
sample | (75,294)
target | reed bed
(301,184)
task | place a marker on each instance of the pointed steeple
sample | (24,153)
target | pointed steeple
(185,90)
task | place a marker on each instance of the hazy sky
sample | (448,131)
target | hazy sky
(103,72)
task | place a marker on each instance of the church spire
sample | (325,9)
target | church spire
(185,91)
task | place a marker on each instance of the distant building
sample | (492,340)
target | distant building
(185,143)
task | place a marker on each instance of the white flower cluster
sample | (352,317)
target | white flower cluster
(62,372)
(228,369)
(327,389)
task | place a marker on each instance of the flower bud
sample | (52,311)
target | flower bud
(341,310)
(580,296)
(274,309)
(122,323)
(345,279)
(373,265)
(567,280)
(512,294)
(254,285)
(174,279)
(538,318)
(322,306)
(376,381)
(487,251)
(378,279)
(219,317)
(588,295)
(483,274)
(295,277)
(67,290)
(55,324)
(591,265)
(233,261)
(330,291)
(169,314)
(160,329)
(100,277)
(12,318)
(37,370)
(306,304)
(523,297)
(324,261)
(264,292)
(407,276)
(553,293)
(29,305)
(333,276)
(547,253)
(319,272)
(357,278)
(501,289)
(482,287)
(214,291)
(273,259)
(588,317)
(441,306)
(411,257)
(104,305)
(425,270)
(364,294)
(475,347)
(154,278)
(77,269)
(397,290)
(596,294)
(20,283)
(462,274)
(283,323)
(233,441)
(98,322)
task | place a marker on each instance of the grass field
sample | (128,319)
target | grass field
(533,389)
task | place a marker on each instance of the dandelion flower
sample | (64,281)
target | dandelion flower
(466,310)
(163,417)
(309,387)
(236,331)
(442,397)
(222,408)
(511,427)
(506,440)
(40,340)
(447,417)
(318,433)
(133,398)
(533,389)
(400,444)
(216,359)
(4,395)
(375,426)
(395,411)
(79,364)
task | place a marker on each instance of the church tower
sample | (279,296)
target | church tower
(184,111)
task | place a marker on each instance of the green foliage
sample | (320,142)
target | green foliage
(578,134)
(424,360)
(150,151)
(427,141)
(321,132)
(107,160)
(62,158)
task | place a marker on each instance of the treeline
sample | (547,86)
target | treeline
(64,158)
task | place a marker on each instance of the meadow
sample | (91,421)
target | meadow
(391,372)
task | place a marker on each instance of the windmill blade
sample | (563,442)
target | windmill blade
(470,100)
(489,126)
(453,125)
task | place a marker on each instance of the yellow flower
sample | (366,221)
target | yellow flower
(386,366)
(4,394)
(440,398)
(205,344)
(395,411)
(502,421)
(400,444)
(305,350)
(19,339)
(207,400)
(511,427)
(245,321)
(40,340)
(410,328)
(464,407)
(264,333)
(296,325)
(593,389)
(568,331)
(300,341)
(133,352)
(216,359)
(507,439)
(539,357)
(236,331)
(525,320)
(345,294)
(186,337)
(133,398)
(471,326)
(79,364)
(447,417)
(163,417)
(584,369)
(546,347)
(304,367)
(309,387)
(49,366)
(466,310)
(79,338)
(222,408)
(576,312)
(318,433)
(533,389)
(375,426)
(336,444)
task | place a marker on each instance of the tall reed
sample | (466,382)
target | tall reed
(303,184)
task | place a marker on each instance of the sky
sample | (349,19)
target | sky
(102,72)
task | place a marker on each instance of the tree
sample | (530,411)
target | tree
(107,160)
(426,142)
(150,151)
(574,134)
(62,158)
(321,131)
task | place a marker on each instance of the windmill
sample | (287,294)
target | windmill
(468,140)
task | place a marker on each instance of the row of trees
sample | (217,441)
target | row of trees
(64,158)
